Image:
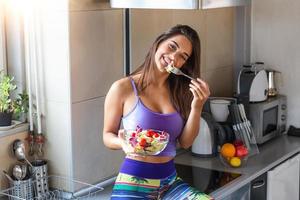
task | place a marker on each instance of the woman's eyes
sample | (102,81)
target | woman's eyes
(172,47)
(183,57)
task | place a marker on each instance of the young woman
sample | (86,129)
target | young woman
(152,98)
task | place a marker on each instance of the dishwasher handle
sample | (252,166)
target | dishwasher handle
(258,184)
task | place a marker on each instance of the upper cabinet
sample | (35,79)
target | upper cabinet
(177,4)
(206,4)
(155,4)
(81,5)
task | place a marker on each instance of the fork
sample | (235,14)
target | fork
(177,71)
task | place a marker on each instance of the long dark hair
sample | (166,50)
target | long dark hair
(181,97)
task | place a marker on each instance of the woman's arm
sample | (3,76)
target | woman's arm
(190,131)
(113,110)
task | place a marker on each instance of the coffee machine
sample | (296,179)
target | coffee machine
(253,82)
(213,133)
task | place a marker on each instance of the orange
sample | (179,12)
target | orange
(227,150)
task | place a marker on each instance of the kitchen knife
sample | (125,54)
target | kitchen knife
(252,141)
(248,123)
(240,127)
(244,124)
(234,122)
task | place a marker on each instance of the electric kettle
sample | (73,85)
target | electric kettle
(209,136)
(272,91)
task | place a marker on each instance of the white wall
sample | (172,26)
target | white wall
(276,41)
(54,81)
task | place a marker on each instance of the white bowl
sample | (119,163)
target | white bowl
(219,109)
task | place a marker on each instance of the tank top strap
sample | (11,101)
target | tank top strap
(133,86)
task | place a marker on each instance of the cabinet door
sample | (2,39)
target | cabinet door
(283,180)
(96,52)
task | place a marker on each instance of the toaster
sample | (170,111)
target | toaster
(253,83)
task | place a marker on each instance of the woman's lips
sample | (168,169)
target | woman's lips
(166,61)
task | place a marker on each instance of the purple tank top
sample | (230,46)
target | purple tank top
(143,117)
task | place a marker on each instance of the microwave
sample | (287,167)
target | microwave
(268,118)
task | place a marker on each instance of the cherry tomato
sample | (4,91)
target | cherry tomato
(143,142)
(149,134)
(156,135)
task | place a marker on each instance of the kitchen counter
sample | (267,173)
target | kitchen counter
(271,154)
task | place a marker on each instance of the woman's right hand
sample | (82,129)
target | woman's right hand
(201,92)
(126,148)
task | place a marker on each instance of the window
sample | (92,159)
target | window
(2,38)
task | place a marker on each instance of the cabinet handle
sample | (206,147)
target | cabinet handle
(258,184)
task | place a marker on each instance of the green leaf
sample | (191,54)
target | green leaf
(6,87)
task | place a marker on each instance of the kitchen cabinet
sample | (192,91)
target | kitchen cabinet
(280,182)
(283,180)
(96,56)
(177,4)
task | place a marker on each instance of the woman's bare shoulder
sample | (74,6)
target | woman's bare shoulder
(121,87)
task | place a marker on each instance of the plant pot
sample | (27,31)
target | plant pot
(5,118)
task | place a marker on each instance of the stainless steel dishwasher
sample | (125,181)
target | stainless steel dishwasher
(258,189)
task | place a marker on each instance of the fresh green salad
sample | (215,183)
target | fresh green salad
(147,142)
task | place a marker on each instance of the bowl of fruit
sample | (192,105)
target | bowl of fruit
(234,154)
(146,142)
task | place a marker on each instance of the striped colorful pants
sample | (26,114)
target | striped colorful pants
(130,185)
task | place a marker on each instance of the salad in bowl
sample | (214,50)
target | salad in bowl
(146,142)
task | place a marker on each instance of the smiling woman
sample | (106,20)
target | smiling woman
(151,99)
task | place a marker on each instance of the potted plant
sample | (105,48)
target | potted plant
(8,106)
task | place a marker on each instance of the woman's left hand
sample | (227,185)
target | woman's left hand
(201,92)
(126,148)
